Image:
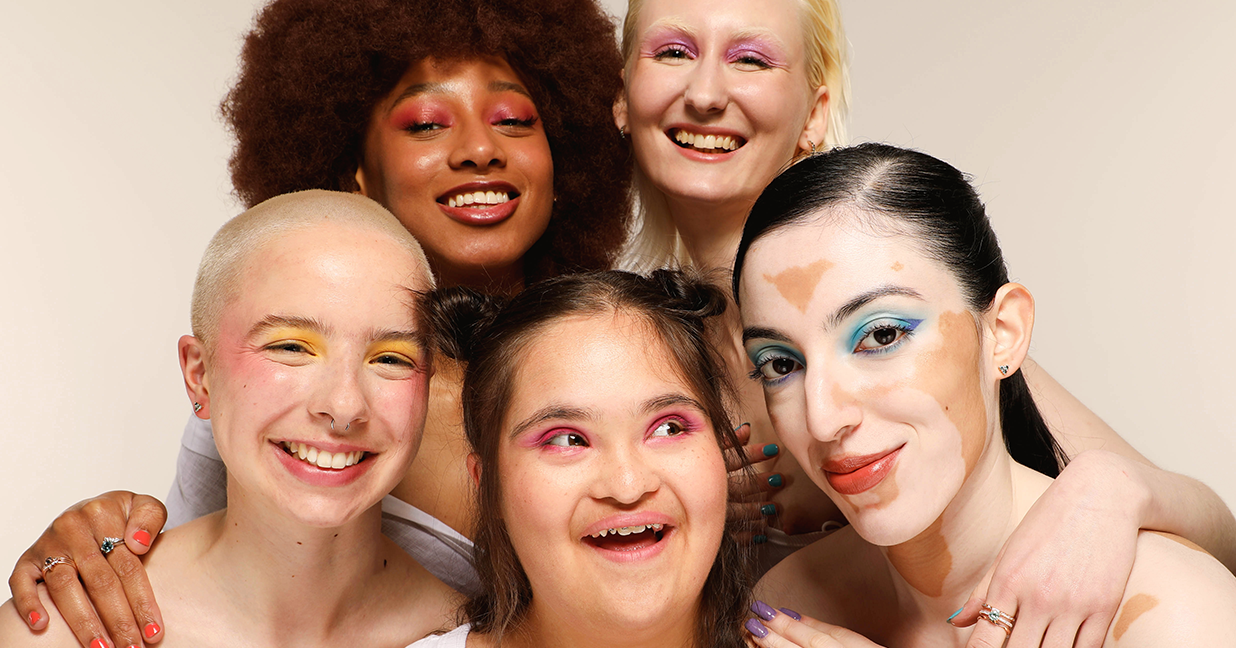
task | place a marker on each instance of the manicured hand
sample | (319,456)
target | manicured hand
(750,491)
(787,629)
(112,601)
(1063,571)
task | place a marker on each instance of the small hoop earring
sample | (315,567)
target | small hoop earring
(1004,370)
(622,130)
(812,144)
(197,407)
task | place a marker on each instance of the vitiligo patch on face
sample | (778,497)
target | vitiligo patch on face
(797,284)
(951,374)
(1137,605)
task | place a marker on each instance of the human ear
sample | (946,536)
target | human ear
(193,368)
(620,112)
(360,181)
(1011,319)
(474,467)
(816,128)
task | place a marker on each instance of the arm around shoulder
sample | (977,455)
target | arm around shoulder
(1178,595)
(14,633)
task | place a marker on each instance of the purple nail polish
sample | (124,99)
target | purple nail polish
(792,614)
(756,628)
(763,611)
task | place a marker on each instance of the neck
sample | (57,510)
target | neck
(549,626)
(285,579)
(936,571)
(710,231)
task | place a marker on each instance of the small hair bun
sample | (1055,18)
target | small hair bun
(689,293)
(455,314)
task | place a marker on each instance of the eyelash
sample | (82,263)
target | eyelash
(519,123)
(770,357)
(682,426)
(548,441)
(906,329)
(288,346)
(751,59)
(678,51)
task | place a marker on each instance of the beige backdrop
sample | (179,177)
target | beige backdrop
(1100,134)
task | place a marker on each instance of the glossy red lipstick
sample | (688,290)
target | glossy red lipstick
(854,475)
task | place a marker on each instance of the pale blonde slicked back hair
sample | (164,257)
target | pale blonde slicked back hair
(223,263)
(656,242)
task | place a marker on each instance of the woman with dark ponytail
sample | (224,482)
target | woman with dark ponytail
(596,411)
(879,315)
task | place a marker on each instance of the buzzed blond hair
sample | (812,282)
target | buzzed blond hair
(223,263)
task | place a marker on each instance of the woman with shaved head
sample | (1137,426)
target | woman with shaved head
(308,357)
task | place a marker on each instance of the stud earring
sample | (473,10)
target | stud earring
(1004,370)
(622,130)
(812,145)
(197,407)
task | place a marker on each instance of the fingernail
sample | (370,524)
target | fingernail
(775,481)
(769,509)
(792,614)
(142,537)
(151,630)
(771,449)
(98,643)
(954,615)
(759,539)
(34,617)
(740,426)
(756,628)
(761,608)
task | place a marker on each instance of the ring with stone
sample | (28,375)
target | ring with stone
(53,561)
(997,618)
(109,544)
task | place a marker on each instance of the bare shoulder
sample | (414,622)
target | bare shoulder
(824,578)
(14,633)
(1177,595)
(416,602)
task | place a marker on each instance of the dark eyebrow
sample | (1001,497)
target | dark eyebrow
(754,332)
(417,89)
(866,298)
(276,321)
(669,400)
(551,412)
(508,86)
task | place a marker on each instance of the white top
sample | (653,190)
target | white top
(201,488)
(457,638)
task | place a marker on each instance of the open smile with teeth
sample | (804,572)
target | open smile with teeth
(627,538)
(322,458)
(480,199)
(707,143)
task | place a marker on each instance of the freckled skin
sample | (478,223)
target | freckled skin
(798,284)
(1137,605)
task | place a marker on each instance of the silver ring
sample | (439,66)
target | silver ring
(109,544)
(997,618)
(332,425)
(53,561)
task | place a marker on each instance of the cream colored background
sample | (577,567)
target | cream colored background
(1100,134)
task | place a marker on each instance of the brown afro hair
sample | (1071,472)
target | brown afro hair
(312,71)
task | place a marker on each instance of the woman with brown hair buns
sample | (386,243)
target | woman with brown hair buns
(720,96)
(464,119)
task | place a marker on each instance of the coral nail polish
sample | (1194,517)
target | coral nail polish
(34,617)
(756,628)
(98,643)
(151,630)
(142,537)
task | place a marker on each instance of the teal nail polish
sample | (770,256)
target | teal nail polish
(759,539)
(771,449)
(768,509)
(775,481)
(954,616)
(740,426)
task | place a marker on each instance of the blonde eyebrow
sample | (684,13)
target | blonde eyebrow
(288,321)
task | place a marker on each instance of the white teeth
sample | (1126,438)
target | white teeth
(478,198)
(321,458)
(628,530)
(706,142)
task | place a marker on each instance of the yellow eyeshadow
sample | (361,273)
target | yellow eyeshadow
(288,333)
(408,349)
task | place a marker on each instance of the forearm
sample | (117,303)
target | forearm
(1188,508)
(1075,427)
